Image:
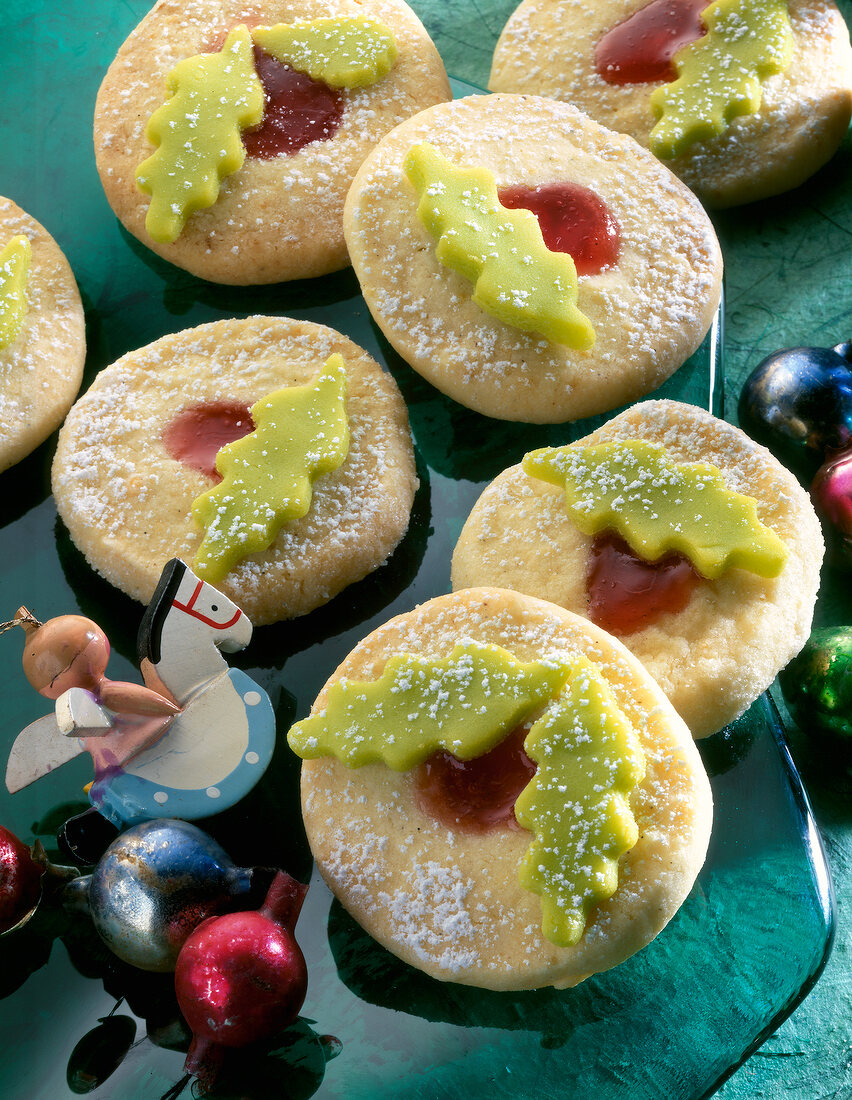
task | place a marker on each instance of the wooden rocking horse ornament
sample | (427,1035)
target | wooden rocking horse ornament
(193,741)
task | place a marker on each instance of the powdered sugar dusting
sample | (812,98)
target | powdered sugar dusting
(121,493)
(547,48)
(649,311)
(40,370)
(719,653)
(274,218)
(451,901)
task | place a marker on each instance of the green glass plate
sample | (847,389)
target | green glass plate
(671,1022)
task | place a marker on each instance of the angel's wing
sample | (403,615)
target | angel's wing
(38,749)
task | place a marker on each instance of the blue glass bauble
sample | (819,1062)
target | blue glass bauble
(798,403)
(155,884)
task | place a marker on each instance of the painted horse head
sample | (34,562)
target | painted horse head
(187,623)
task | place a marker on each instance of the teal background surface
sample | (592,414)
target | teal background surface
(789,282)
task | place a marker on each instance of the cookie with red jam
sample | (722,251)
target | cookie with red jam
(675,532)
(741,100)
(500,794)
(226,135)
(272,455)
(527,262)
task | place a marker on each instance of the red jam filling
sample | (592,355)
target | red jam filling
(627,593)
(641,49)
(573,219)
(297,111)
(197,434)
(475,796)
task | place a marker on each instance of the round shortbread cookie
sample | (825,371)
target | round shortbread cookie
(449,901)
(41,370)
(126,501)
(717,655)
(548,48)
(275,219)
(649,311)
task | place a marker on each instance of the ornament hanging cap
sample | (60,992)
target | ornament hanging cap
(23,617)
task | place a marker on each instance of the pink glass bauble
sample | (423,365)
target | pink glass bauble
(832,492)
(242,977)
(20,881)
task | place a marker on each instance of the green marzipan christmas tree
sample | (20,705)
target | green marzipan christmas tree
(719,74)
(344,52)
(14,273)
(198,133)
(464,704)
(658,505)
(301,432)
(576,805)
(502,252)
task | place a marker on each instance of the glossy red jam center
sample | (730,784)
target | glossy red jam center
(297,110)
(627,593)
(199,432)
(641,49)
(475,795)
(573,219)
